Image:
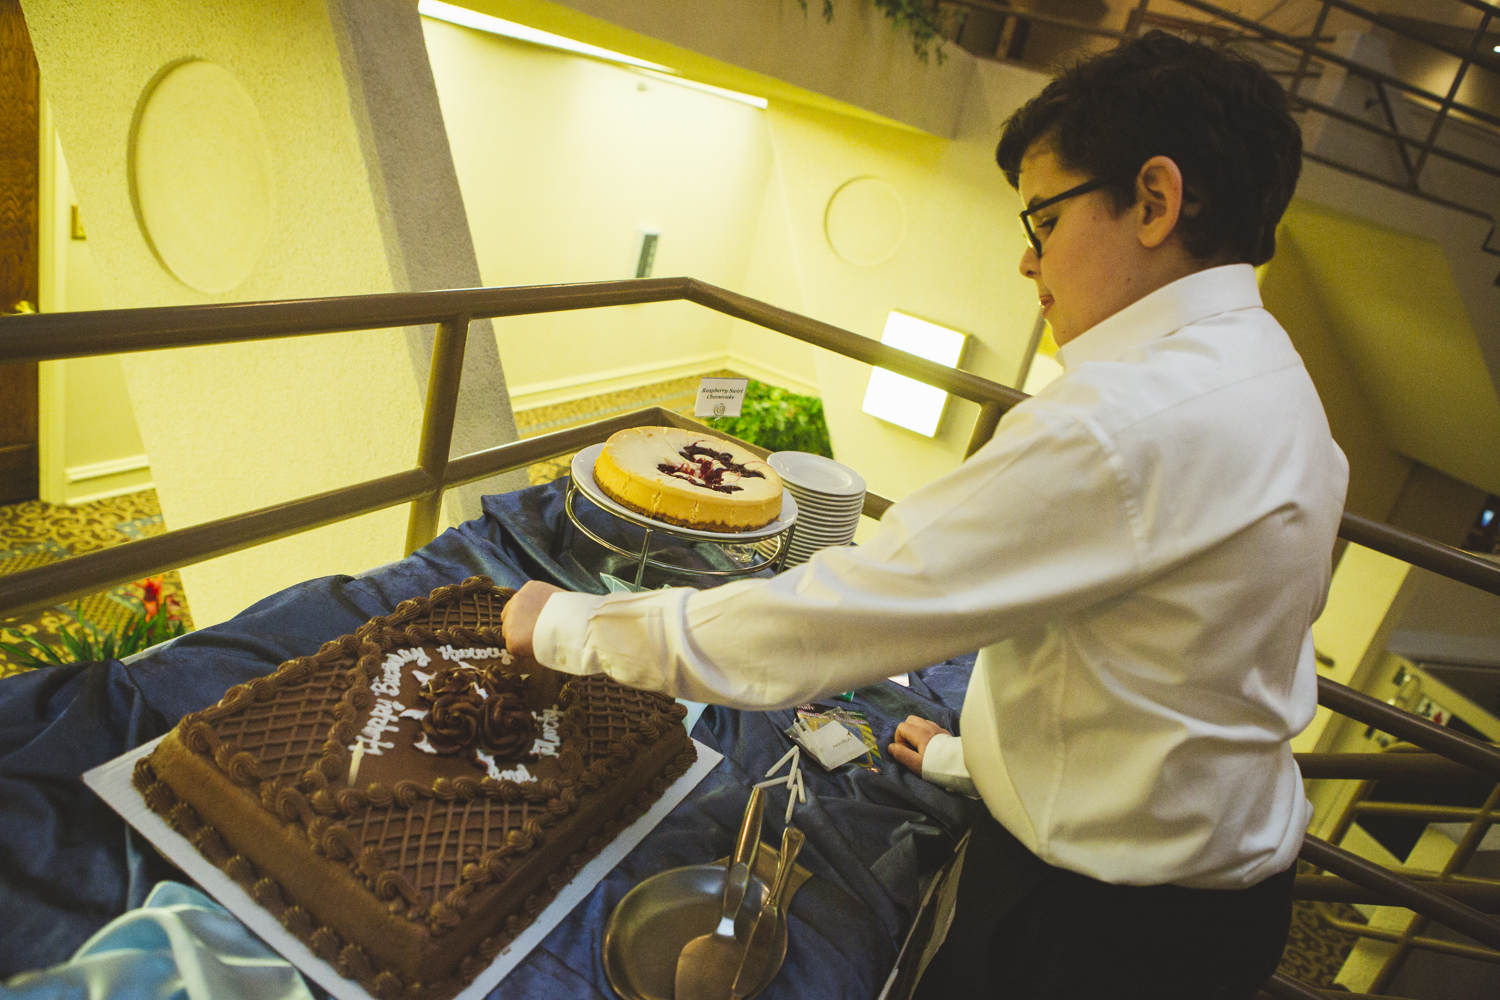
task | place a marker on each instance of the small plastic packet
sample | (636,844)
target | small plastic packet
(852,741)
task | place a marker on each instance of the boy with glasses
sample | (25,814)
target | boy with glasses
(1139,554)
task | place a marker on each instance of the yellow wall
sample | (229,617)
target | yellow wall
(1399,319)
(858,63)
(956,266)
(91,447)
(238,427)
(1376,472)
(562,161)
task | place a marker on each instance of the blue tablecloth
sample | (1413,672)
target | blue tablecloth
(68,864)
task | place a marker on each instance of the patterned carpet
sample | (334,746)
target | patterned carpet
(1315,950)
(35,533)
(678,395)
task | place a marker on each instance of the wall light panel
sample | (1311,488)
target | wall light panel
(904,401)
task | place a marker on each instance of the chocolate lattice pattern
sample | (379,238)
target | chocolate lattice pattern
(430,843)
(472,611)
(286,734)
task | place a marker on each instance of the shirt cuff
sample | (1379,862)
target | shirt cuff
(561,631)
(943,765)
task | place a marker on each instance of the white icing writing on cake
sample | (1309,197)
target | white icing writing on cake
(382,720)
(390,680)
(387,709)
(546,744)
(490,653)
(518,773)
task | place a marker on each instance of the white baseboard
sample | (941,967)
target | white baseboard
(111,478)
(538,394)
(771,376)
(110,467)
(565,390)
(117,491)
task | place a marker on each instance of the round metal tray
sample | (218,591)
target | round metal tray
(752,546)
(651,925)
(582,469)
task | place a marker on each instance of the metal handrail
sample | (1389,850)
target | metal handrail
(50,336)
(1403,891)
(1317,52)
(56,336)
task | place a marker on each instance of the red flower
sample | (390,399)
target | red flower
(151,596)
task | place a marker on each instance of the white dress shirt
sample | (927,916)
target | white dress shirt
(1138,554)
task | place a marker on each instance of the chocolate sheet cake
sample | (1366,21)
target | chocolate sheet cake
(480,790)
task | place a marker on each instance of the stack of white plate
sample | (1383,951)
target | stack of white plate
(829,498)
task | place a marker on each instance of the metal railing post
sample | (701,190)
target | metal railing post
(443,377)
(1452,96)
(984,425)
(1307,51)
(1402,892)
(1357,68)
(1454,866)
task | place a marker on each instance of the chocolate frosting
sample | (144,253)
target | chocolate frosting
(453,722)
(507,728)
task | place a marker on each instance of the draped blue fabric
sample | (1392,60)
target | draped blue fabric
(177,945)
(68,864)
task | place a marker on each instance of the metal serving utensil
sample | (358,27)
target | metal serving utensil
(767,949)
(706,969)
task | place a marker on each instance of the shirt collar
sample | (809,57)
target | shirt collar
(1168,309)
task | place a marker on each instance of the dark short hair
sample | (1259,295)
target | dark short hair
(1220,117)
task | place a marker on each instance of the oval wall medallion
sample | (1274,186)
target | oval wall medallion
(200,176)
(865,221)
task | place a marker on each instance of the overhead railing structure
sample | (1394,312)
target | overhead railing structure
(1222,25)
(54,336)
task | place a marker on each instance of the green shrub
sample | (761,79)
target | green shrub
(779,420)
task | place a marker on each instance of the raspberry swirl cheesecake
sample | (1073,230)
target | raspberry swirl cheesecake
(688,478)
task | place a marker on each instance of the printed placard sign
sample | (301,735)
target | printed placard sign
(720,397)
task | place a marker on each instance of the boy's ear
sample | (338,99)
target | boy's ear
(1158,193)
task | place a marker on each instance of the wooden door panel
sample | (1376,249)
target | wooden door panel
(20,151)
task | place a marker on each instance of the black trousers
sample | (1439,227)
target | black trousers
(1024,930)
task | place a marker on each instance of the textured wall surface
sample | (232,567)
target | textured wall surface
(563,160)
(238,427)
(956,265)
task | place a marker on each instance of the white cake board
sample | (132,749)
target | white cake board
(111,781)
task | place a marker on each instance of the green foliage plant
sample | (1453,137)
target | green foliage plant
(920,18)
(87,641)
(779,420)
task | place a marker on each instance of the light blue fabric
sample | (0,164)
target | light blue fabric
(179,945)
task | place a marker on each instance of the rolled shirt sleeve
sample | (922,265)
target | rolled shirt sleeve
(943,765)
(1032,526)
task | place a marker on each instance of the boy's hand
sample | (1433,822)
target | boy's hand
(518,617)
(912,737)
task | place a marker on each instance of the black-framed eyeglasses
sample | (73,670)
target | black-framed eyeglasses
(1073,192)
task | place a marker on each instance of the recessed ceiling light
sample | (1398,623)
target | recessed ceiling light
(509,29)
